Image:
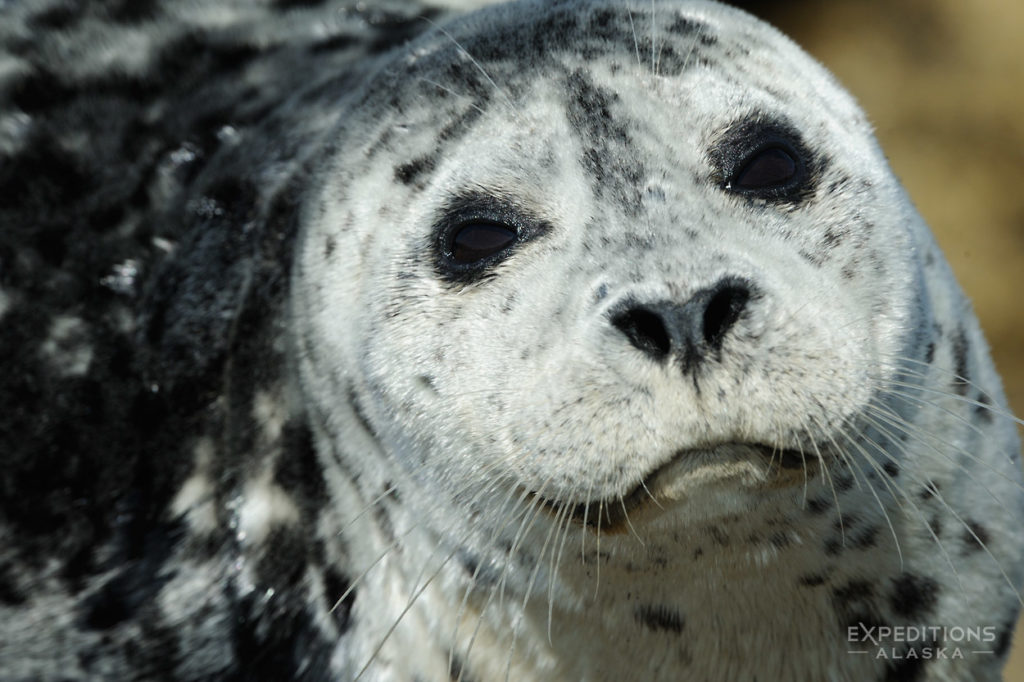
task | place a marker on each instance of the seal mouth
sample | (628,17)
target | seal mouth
(784,466)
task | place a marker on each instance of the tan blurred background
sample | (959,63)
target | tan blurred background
(943,82)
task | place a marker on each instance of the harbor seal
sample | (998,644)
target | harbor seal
(573,340)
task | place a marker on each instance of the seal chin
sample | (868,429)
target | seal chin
(744,464)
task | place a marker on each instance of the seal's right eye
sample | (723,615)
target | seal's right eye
(477,240)
(476,231)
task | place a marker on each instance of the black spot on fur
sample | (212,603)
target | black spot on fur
(457,672)
(608,154)
(853,592)
(929,490)
(469,562)
(383,519)
(394,29)
(832,238)
(459,126)
(410,173)
(299,472)
(961,348)
(833,546)
(660,618)
(843,482)
(929,353)
(718,536)
(845,522)
(336,42)
(815,259)
(913,596)
(336,585)
(359,412)
(819,505)
(866,538)
(329,245)
(10,595)
(812,580)
(683,26)
(284,565)
(891,469)
(975,537)
(983,411)
(39,91)
(60,16)
(132,11)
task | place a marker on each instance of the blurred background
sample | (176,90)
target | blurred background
(943,83)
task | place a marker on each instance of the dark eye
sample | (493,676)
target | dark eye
(764,158)
(476,231)
(767,169)
(475,241)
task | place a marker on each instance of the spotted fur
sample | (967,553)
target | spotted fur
(260,422)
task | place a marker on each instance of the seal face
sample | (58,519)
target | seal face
(574,340)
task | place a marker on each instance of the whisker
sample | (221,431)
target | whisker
(993,408)
(564,520)
(880,475)
(636,43)
(936,494)
(831,485)
(653,39)
(509,519)
(480,68)
(454,93)
(408,606)
(966,422)
(629,523)
(913,507)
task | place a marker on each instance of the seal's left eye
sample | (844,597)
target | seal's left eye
(764,159)
(475,241)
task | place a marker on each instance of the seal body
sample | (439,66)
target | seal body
(577,340)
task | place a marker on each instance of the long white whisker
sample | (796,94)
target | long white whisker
(964,524)
(636,43)
(892,488)
(480,68)
(453,93)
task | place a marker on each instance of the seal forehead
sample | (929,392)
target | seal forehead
(713,64)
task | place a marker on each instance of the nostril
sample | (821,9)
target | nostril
(722,311)
(692,331)
(645,329)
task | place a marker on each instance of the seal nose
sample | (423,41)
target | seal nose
(691,330)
